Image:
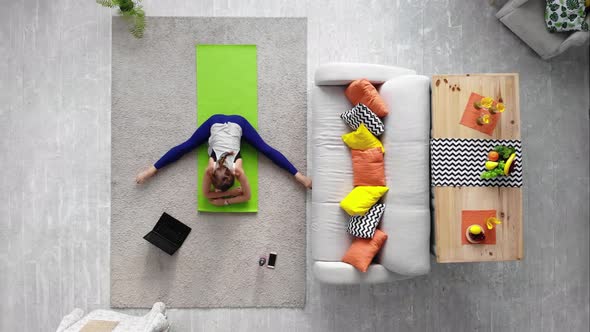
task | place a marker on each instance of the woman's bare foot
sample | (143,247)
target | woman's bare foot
(304,180)
(146,174)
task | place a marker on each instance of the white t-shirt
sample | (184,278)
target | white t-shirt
(225,137)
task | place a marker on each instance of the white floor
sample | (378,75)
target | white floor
(55,155)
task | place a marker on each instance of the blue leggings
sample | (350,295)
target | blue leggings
(202,133)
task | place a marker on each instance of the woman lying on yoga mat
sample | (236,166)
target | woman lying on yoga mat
(225,163)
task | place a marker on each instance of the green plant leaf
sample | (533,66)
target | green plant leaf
(572,4)
(107,3)
(504,151)
(126,5)
(138,23)
(135,16)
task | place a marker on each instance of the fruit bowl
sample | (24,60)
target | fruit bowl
(475,238)
(501,161)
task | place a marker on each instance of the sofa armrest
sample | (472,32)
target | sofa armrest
(407,169)
(339,273)
(509,7)
(341,73)
(518,3)
(578,38)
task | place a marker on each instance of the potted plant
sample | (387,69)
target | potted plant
(131,11)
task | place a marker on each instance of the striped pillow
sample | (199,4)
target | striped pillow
(365,226)
(362,114)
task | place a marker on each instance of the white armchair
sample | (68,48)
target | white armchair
(526,19)
(153,321)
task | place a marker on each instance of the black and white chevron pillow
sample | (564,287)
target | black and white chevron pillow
(365,226)
(362,114)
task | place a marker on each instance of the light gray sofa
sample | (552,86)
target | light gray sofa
(406,140)
(526,19)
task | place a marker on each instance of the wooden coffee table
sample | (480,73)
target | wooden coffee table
(450,94)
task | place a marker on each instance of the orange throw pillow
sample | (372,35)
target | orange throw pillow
(361,251)
(368,167)
(362,91)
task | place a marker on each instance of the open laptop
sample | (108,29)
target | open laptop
(168,234)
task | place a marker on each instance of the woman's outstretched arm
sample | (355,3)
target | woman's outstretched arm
(206,183)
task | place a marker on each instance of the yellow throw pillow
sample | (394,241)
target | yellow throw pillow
(361,199)
(362,139)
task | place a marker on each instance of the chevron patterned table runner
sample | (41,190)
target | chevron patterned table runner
(459,162)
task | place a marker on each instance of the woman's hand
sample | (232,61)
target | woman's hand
(304,180)
(217,201)
(146,174)
(237,191)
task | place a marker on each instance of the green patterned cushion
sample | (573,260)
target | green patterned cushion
(565,15)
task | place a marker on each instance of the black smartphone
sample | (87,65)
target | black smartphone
(272,260)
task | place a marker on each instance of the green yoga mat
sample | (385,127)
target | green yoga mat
(227,84)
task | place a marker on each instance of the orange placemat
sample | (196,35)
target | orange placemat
(471,114)
(479,217)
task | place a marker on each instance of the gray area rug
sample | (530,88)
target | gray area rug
(153,109)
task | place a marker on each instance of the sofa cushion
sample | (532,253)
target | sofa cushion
(329,236)
(407,168)
(408,250)
(365,226)
(368,167)
(566,16)
(332,175)
(362,114)
(362,251)
(362,91)
(361,199)
(362,139)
